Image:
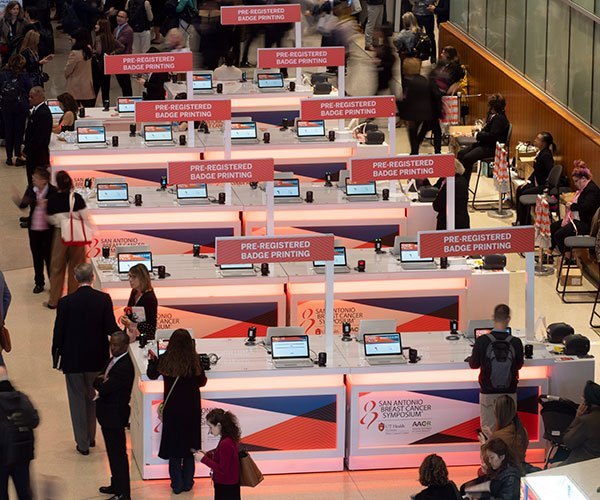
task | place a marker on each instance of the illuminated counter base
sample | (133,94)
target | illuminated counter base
(194,296)
(292,420)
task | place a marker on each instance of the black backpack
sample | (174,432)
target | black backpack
(500,356)
(138,19)
(422,48)
(18,418)
(11,93)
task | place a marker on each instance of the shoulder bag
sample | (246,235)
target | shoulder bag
(74,230)
(250,474)
(161,407)
(5,343)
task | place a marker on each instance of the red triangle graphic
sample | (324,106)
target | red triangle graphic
(425,323)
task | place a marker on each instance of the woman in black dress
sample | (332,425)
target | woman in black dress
(142,295)
(70,108)
(183,376)
(461,200)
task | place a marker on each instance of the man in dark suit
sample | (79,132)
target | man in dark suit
(84,321)
(124,34)
(38,132)
(112,408)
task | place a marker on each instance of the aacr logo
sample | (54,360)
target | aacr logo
(422,423)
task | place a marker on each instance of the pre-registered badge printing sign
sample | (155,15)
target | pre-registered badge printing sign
(401,167)
(221,171)
(301,57)
(162,62)
(260,14)
(348,108)
(182,111)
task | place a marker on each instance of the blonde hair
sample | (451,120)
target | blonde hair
(411,66)
(140,271)
(31,41)
(409,22)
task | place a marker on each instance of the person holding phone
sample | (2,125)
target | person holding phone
(583,435)
(142,298)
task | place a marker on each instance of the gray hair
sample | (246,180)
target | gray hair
(84,273)
(38,90)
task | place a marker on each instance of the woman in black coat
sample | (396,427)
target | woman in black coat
(495,130)
(143,296)
(536,183)
(183,376)
(461,200)
(154,85)
(581,210)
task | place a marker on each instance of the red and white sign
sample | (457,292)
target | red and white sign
(476,241)
(255,249)
(163,62)
(402,167)
(220,171)
(260,14)
(182,111)
(304,57)
(348,107)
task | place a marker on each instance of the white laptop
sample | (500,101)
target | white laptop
(375,326)
(236,270)
(291,351)
(202,83)
(311,130)
(270,82)
(55,108)
(244,132)
(126,105)
(281,331)
(192,194)
(356,191)
(287,191)
(158,134)
(340,262)
(91,137)
(112,194)
(126,260)
(411,259)
(383,349)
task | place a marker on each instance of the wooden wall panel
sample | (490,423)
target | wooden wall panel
(529,109)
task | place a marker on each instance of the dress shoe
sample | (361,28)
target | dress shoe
(120,497)
(38,289)
(83,452)
(106,490)
(9,161)
(19,162)
(24,225)
(45,304)
(23,219)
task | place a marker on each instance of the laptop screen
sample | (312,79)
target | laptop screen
(479,332)
(91,135)
(191,191)
(409,252)
(202,81)
(125,261)
(162,346)
(285,188)
(236,266)
(54,106)
(382,344)
(310,128)
(243,130)
(163,132)
(339,258)
(127,104)
(270,81)
(290,347)
(356,189)
(112,192)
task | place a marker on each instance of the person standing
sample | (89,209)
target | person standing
(183,376)
(374,21)
(104,43)
(461,200)
(78,70)
(37,133)
(33,63)
(142,297)
(499,356)
(84,321)
(40,232)
(112,409)
(18,418)
(140,20)
(5,298)
(423,11)
(224,459)
(124,35)
(12,29)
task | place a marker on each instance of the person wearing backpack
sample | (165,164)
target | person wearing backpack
(140,20)
(15,85)
(424,14)
(18,418)
(499,356)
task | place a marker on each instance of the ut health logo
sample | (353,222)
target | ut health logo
(370,415)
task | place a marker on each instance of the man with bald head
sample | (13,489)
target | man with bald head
(37,133)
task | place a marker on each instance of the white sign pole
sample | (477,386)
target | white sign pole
(227,144)
(329,282)
(270,208)
(392,135)
(530,296)
(341,92)
(450,203)
(191,136)
(298,44)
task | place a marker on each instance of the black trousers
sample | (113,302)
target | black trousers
(434,126)
(252,31)
(19,473)
(524,211)
(125,84)
(14,130)
(116,449)
(558,233)
(428,24)
(227,491)
(40,243)
(469,156)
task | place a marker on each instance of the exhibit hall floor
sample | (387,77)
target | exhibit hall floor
(59,472)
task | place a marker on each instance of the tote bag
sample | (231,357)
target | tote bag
(250,474)
(74,230)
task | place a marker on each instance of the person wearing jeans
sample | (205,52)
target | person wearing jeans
(423,11)
(374,20)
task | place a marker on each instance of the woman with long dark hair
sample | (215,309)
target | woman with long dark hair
(105,43)
(142,296)
(78,71)
(69,106)
(12,29)
(183,376)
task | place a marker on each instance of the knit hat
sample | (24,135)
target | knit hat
(591,393)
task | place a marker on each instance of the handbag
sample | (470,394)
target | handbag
(5,344)
(250,474)
(74,230)
(161,407)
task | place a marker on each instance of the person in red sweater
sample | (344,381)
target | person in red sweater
(224,460)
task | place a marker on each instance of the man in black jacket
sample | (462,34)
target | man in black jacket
(499,356)
(38,132)
(112,408)
(84,320)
